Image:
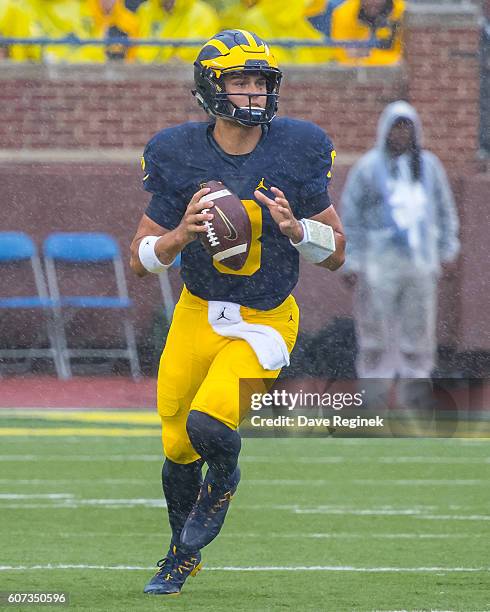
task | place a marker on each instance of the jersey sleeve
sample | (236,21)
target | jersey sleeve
(166,206)
(318,160)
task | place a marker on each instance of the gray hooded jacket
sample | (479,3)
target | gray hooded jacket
(388,216)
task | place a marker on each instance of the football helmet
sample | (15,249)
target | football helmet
(231,52)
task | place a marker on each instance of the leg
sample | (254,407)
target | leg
(216,412)
(418,342)
(181,480)
(374,312)
(418,313)
(181,484)
(181,372)
(219,446)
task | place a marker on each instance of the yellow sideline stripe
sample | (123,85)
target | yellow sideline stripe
(86,416)
(78,431)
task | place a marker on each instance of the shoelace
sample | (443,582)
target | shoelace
(227,497)
(185,566)
(161,565)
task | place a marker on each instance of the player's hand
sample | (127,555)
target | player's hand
(193,220)
(282,214)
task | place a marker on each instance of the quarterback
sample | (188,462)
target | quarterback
(229,324)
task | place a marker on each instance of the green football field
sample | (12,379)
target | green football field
(317,524)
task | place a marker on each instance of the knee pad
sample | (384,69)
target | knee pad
(212,439)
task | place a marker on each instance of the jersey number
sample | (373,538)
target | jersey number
(255,253)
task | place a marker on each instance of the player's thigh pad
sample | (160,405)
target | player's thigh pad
(185,359)
(189,351)
(176,444)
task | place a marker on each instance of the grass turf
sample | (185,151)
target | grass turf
(371,514)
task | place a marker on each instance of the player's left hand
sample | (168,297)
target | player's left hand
(282,214)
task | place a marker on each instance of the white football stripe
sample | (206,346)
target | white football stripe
(236,250)
(210,197)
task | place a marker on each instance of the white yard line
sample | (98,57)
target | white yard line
(68,500)
(36,496)
(260,459)
(268,482)
(65,481)
(274,536)
(370,482)
(92,458)
(432,459)
(261,568)
(87,503)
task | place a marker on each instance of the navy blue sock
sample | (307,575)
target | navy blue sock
(218,445)
(181,484)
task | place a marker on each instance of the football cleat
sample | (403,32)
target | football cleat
(173,571)
(208,514)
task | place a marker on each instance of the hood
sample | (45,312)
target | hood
(393,112)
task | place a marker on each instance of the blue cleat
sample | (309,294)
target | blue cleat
(208,514)
(173,572)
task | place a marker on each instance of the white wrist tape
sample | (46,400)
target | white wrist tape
(318,241)
(148,257)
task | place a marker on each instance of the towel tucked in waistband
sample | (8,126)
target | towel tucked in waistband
(268,344)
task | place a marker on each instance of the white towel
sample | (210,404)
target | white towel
(268,344)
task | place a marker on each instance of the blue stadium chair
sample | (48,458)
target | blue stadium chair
(18,251)
(167,293)
(79,251)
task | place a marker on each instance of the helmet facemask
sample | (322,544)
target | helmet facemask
(251,114)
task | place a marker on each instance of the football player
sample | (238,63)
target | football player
(280,169)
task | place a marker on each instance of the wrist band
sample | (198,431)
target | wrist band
(318,241)
(148,257)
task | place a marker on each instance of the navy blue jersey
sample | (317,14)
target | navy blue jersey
(295,156)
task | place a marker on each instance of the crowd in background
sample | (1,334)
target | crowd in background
(305,20)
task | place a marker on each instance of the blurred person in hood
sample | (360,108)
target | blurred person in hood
(402,228)
(174,19)
(359,20)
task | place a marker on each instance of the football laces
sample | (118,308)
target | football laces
(210,233)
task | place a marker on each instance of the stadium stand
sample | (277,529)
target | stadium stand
(174,19)
(82,20)
(123,21)
(270,20)
(361,20)
(15,22)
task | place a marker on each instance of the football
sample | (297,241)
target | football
(229,233)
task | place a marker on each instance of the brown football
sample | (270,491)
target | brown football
(229,232)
